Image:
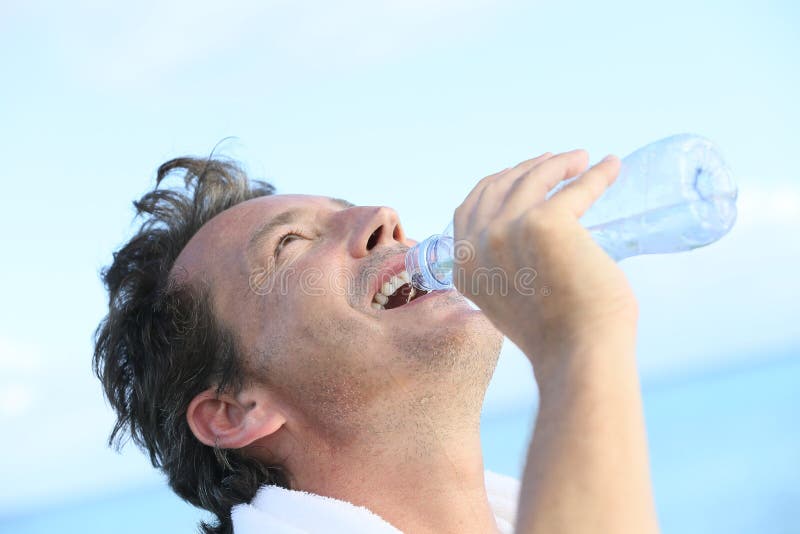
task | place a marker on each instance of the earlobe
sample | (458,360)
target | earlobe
(221,420)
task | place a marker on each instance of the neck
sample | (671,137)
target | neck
(426,482)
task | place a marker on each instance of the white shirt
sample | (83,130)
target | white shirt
(280,511)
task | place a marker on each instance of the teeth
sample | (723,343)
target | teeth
(388,288)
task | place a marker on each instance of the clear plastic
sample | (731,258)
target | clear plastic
(673,195)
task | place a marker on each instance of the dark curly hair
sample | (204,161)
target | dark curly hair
(160,344)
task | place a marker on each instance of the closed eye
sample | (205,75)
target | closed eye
(285,240)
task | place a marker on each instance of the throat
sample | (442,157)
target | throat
(437,488)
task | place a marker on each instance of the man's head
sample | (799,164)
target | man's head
(242,345)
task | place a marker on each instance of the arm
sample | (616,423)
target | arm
(587,468)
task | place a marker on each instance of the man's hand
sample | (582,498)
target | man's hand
(587,468)
(578,291)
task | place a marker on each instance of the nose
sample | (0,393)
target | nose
(373,226)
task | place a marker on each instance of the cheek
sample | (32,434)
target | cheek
(325,336)
(318,318)
(319,342)
(319,302)
(323,369)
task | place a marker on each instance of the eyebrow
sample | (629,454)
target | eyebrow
(343,203)
(265,230)
(285,217)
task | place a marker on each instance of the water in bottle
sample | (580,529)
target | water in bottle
(673,195)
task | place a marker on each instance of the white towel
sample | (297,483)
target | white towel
(276,510)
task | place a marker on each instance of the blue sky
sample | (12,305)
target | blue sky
(405,104)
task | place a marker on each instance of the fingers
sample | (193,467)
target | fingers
(485,194)
(495,192)
(579,195)
(513,172)
(526,166)
(530,189)
(512,192)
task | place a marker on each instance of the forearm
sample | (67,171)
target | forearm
(587,468)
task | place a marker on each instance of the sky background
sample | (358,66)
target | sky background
(406,104)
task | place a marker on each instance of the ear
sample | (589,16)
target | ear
(233,422)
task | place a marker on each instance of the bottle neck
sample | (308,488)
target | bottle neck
(430,263)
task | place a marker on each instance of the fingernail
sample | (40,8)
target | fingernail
(610,157)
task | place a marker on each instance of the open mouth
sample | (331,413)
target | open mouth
(396,292)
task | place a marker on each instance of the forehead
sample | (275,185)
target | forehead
(228,234)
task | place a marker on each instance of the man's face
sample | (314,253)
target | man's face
(295,277)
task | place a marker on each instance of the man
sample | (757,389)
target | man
(256,342)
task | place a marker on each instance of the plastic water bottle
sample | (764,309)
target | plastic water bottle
(673,195)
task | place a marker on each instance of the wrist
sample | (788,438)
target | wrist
(585,363)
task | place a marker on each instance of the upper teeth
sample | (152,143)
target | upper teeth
(388,288)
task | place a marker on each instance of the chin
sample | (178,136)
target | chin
(454,310)
(473,318)
(445,329)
